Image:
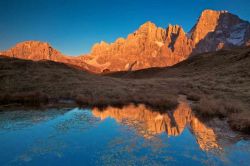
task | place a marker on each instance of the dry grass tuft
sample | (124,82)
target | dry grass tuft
(210,107)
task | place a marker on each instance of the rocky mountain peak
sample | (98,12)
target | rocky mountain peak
(206,23)
(148,31)
(147,26)
(219,29)
(149,45)
(34,50)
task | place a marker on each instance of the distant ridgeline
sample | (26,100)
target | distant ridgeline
(149,46)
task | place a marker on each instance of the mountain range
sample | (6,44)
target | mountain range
(149,46)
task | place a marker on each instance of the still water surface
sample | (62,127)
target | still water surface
(132,135)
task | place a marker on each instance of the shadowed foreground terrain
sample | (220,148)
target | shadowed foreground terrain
(217,84)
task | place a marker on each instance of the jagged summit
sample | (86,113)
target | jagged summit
(151,46)
(219,29)
(208,22)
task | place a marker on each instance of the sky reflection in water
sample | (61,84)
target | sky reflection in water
(132,135)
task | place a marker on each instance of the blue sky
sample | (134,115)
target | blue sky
(73,26)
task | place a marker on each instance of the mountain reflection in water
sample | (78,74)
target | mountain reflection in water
(131,135)
(149,123)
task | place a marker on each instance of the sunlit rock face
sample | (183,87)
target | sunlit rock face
(207,23)
(177,46)
(36,51)
(149,46)
(149,123)
(139,50)
(219,29)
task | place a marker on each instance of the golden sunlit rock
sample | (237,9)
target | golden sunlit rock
(36,51)
(149,46)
